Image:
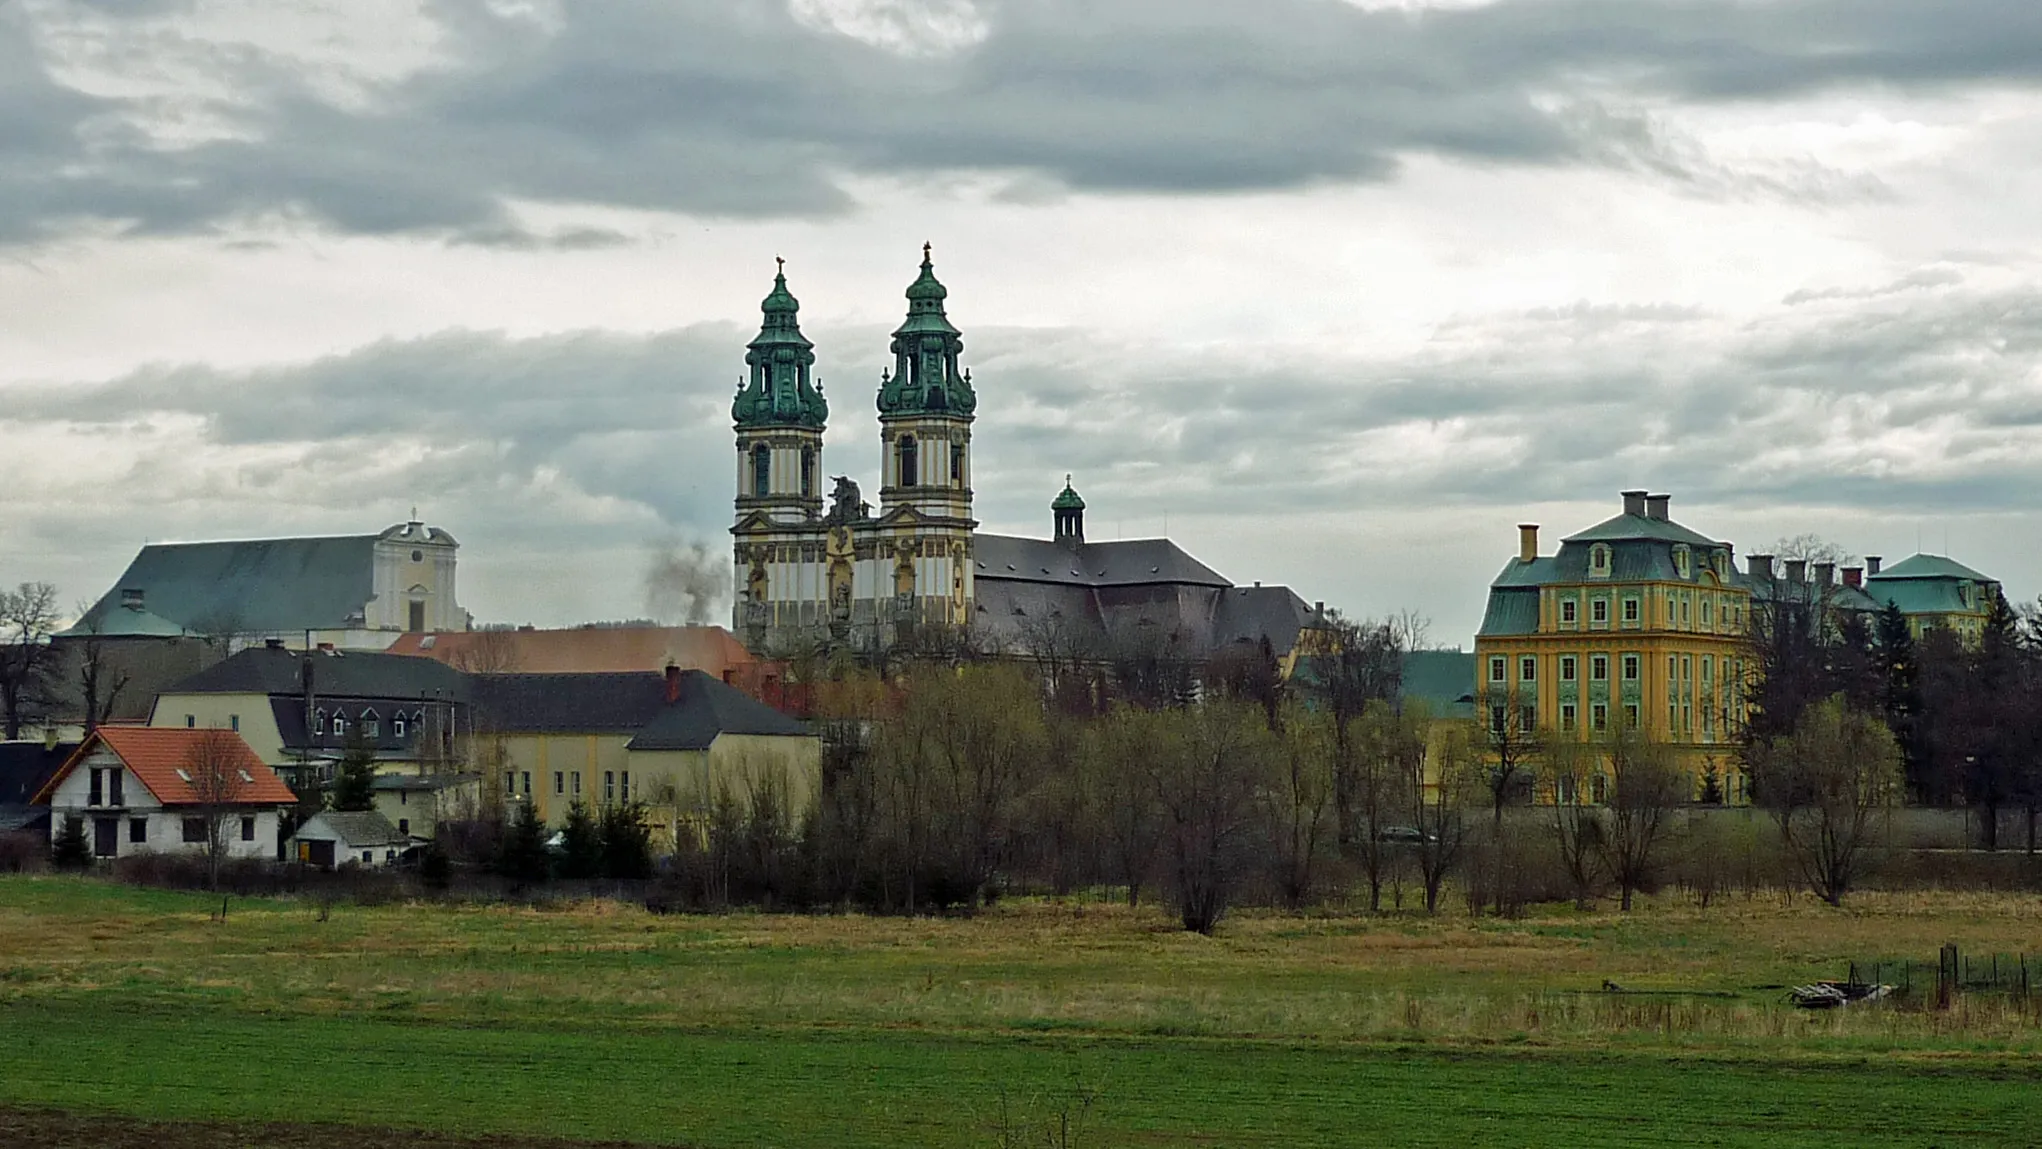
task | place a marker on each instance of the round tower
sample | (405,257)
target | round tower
(925,410)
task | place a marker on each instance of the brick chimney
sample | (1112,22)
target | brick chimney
(1825,574)
(1634,503)
(1854,577)
(1655,506)
(1762,567)
(1527,542)
(1872,565)
(673,684)
(1797,570)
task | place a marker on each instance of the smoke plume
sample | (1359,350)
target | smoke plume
(686,584)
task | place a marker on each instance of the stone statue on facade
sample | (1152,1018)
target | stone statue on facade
(847,504)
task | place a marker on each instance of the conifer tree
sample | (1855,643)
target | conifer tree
(581,844)
(354,784)
(522,856)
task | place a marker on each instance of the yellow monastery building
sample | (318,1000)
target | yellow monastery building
(1637,621)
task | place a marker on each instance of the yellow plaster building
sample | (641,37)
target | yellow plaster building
(1636,622)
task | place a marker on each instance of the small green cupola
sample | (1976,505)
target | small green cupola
(925,379)
(1069,511)
(782,391)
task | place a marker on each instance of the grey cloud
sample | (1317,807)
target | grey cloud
(740,109)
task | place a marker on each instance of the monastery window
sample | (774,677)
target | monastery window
(762,471)
(1630,668)
(525,781)
(1567,668)
(1708,613)
(1598,789)
(1598,560)
(957,463)
(1527,718)
(371,725)
(909,469)
(1567,609)
(624,785)
(1598,717)
(1598,667)
(1496,671)
(1496,720)
(510,784)
(609,786)
(1563,790)
(1670,676)
(1683,612)
(1631,611)
(574,783)
(1598,611)
(1527,669)
(807,471)
(559,783)
(1567,716)
(1631,715)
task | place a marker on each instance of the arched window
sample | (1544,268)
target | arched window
(957,464)
(762,471)
(1598,559)
(909,471)
(807,471)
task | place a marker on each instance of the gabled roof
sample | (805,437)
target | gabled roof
(352,828)
(706,708)
(255,585)
(582,650)
(1125,563)
(335,674)
(1929,566)
(163,758)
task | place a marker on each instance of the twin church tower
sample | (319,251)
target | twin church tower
(850,576)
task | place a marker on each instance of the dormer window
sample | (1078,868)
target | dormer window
(339,725)
(319,722)
(397,724)
(371,724)
(1598,560)
(1681,561)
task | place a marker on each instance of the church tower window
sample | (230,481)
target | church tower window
(957,464)
(762,471)
(909,471)
(807,472)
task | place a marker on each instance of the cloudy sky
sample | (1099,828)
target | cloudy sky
(1337,291)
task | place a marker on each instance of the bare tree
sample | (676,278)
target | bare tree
(217,762)
(1646,787)
(1210,790)
(28,616)
(1410,629)
(1442,807)
(1351,664)
(1303,801)
(1576,824)
(488,652)
(1387,744)
(1065,654)
(102,675)
(1129,751)
(1514,744)
(1827,785)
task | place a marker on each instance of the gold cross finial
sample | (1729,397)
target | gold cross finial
(780,265)
(925,252)
(1067,478)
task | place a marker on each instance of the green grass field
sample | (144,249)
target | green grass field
(601,1022)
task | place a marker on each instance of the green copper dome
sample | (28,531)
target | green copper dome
(781,390)
(925,379)
(1069,500)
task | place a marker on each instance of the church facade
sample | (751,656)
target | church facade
(864,578)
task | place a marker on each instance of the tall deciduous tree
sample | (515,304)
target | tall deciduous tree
(1515,746)
(1828,784)
(1351,663)
(1646,788)
(215,762)
(1211,789)
(28,616)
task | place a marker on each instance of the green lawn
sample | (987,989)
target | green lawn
(603,1022)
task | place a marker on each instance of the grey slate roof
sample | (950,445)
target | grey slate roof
(1123,563)
(1250,613)
(706,708)
(16,818)
(1628,526)
(335,674)
(257,585)
(583,703)
(356,828)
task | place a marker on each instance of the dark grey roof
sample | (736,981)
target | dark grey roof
(296,734)
(257,585)
(25,766)
(1627,526)
(1252,613)
(355,828)
(583,703)
(1132,561)
(706,708)
(335,674)
(16,818)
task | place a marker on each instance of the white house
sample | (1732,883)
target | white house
(338,837)
(143,790)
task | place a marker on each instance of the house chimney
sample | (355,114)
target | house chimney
(1655,506)
(1634,503)
(1797,570)
(1825,574)
(1762,567)
(1854,577)
(1872,565)
(1527,542)
(673,684)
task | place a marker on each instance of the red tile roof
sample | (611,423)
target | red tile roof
(164,759)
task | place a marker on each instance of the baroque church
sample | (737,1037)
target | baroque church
(852,577)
